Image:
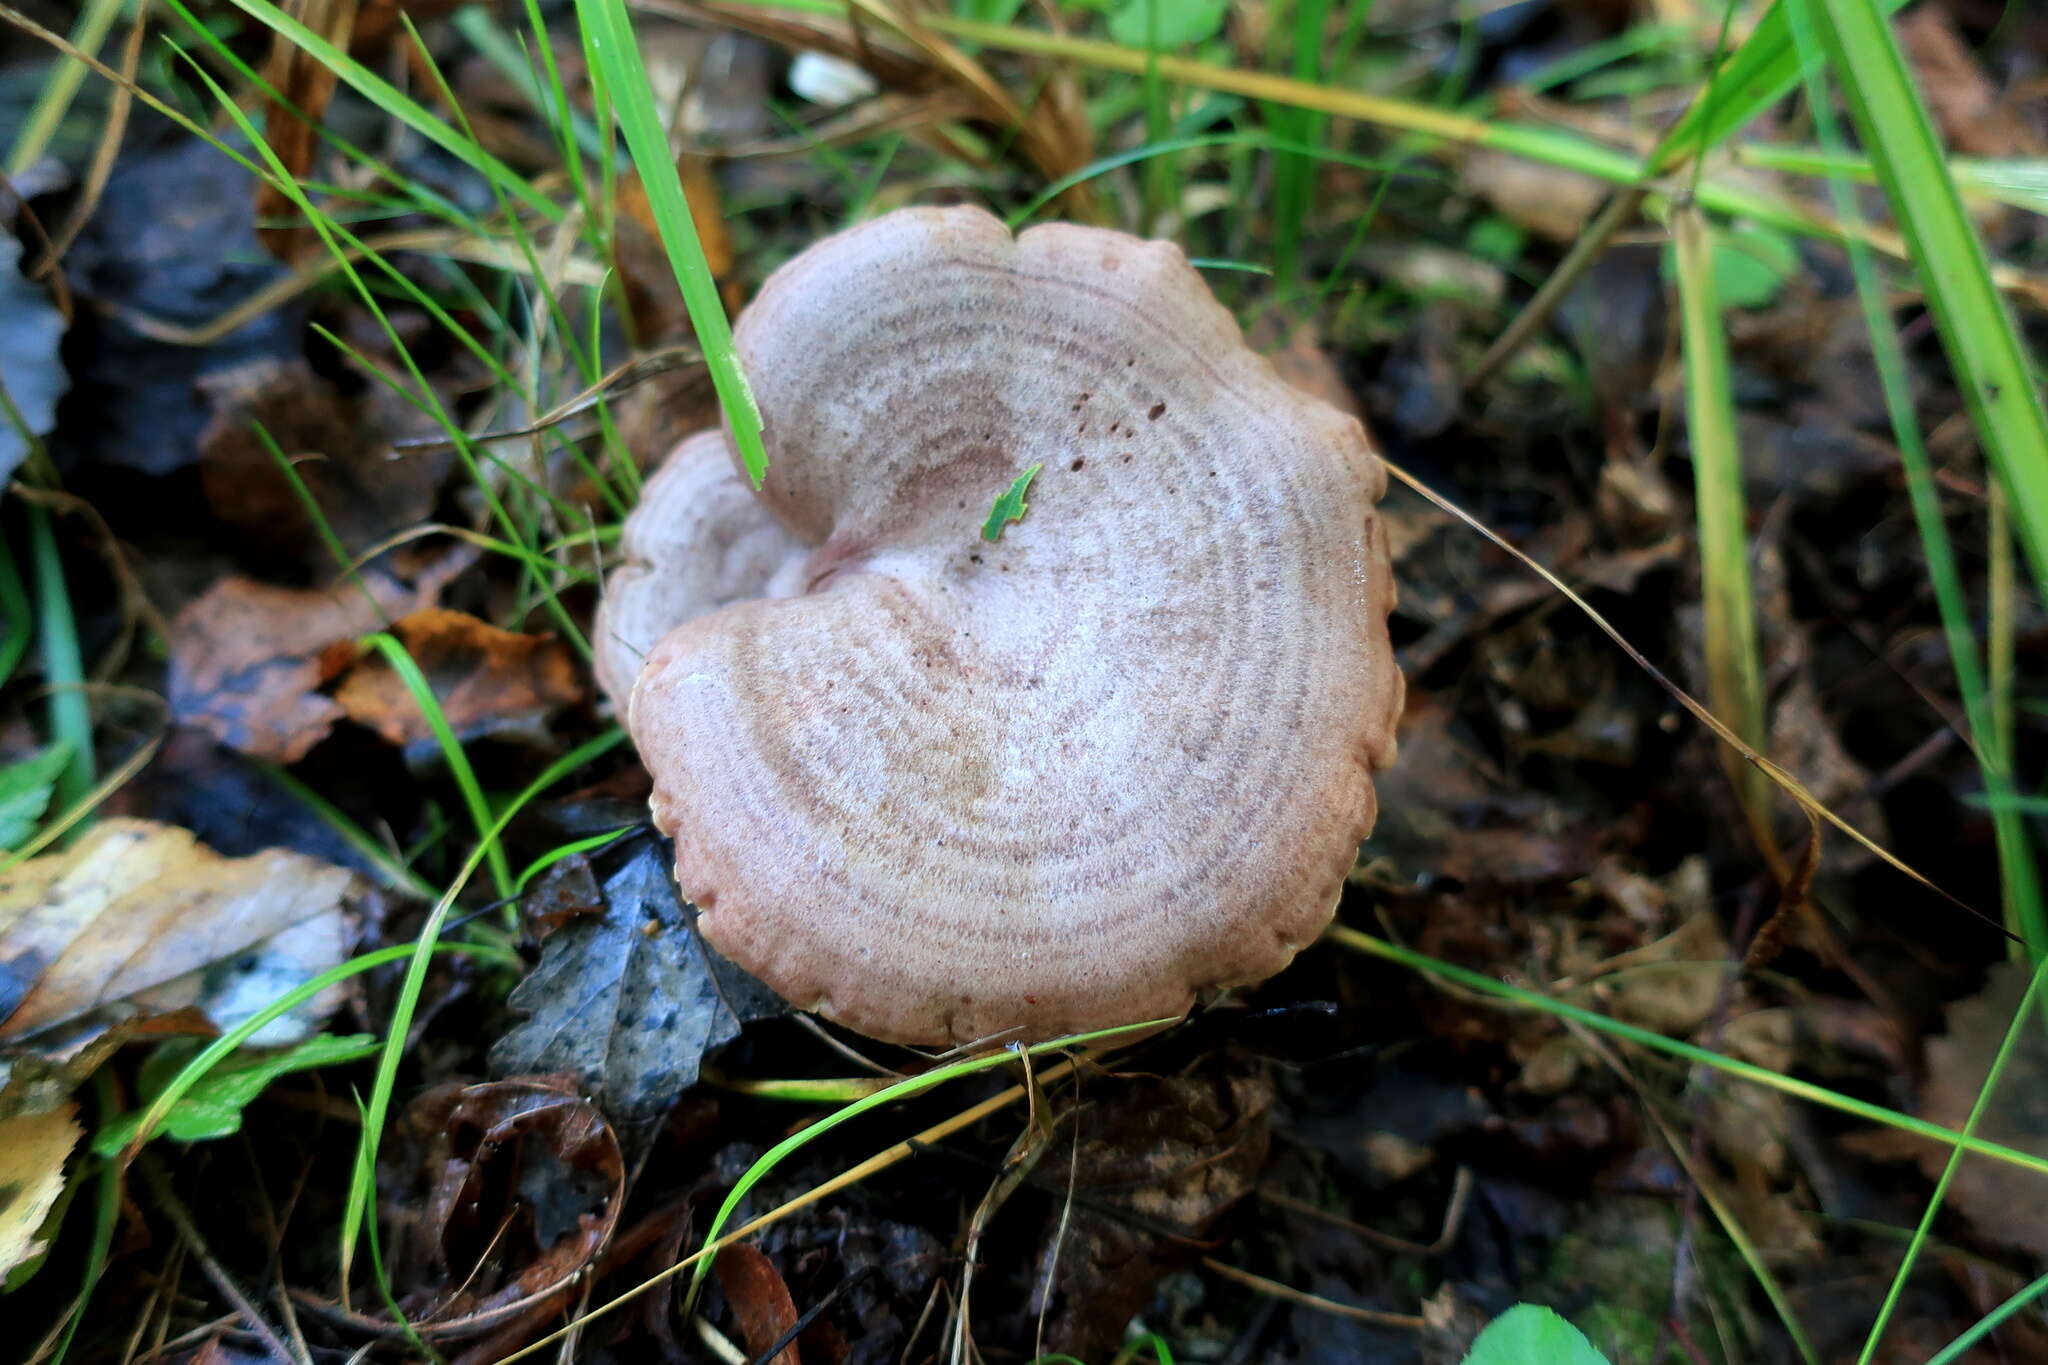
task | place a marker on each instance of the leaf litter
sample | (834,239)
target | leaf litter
(1345,1133)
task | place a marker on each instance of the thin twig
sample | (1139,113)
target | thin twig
(1378,1317)
(1586,250)
(181,1219)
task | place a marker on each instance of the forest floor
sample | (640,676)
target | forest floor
(326,409)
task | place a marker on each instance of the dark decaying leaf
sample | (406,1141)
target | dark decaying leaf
(174,243)
(338,445)
(499,1194)
(631,1000)
(30,370)
(1159,1162)
(488,681)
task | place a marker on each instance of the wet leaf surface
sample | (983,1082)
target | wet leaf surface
(629,1000)
(33,1151)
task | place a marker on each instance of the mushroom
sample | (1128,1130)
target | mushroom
(940,788)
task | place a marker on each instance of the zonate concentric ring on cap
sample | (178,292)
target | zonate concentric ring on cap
(938,788)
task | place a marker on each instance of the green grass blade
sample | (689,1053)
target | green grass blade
(362,1187)
(1807,1091)
(54,99)
(422,691)
(14,609)
(1956,1349)
(1762,72)
(1991,364)
(610,36)
(400,106)
(225,1046)
(2022,1018)
(390,870)
(1982,696)
(901,1090)
(1734,672)
(63,666)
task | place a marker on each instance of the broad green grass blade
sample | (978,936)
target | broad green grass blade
(1991,364)
(1734,673)
(610,35)
(63,665)
(1984,698)
(1762,72)
(1522,998)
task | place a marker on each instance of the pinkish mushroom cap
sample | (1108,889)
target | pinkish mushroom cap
(940,789)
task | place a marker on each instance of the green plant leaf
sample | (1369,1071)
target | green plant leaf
(213,1107)
(1529,1335)
(1759,74)
(1167,23)
(1010,506)
(25,789)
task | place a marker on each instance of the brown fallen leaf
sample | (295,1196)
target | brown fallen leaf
(1158,1165)
(138,918)
(248,660)
(651,292)
(1552,203)
(488,681)
(33,1150)
(760,1300)
(2006,1205)
(339,446)
(1964,102)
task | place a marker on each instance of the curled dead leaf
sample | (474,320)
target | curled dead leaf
(1153,1170)
(503,1192)
(488,681)
(339,446)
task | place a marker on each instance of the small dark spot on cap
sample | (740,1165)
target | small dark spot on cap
(1077,464)
(1158,411)
(975,558)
